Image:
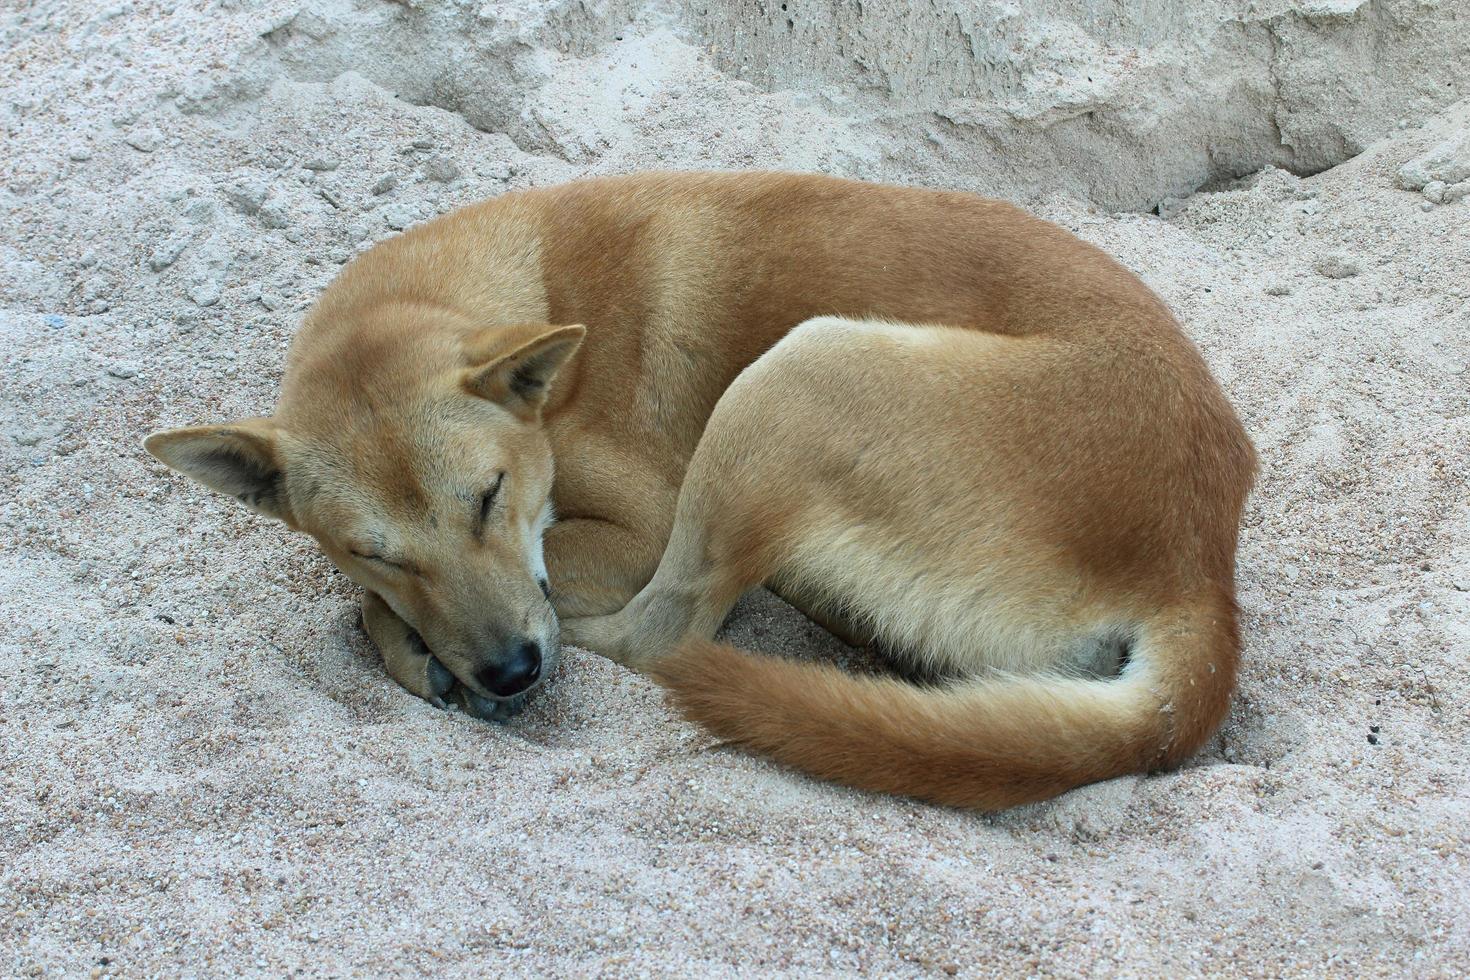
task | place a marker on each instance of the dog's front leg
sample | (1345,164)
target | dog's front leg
(404,655)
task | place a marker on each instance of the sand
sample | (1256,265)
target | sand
(205,771)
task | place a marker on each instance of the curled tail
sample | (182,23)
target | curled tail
(989,743)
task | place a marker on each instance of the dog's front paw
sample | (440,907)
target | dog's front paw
(488,709)
(405,657)
(600,634)
(608,636)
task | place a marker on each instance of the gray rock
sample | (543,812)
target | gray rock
(34,436)
(208,265)
(1335,265)
(80,154)
(167,254)
(1169,207)
(123,369)
(247,195)
(385,183)
(399,216)
(273,215)
(322,163)
(201,211)
(1448,162)
(441,169)
(205,292)
(495,171)
(270,300)
(1434,191)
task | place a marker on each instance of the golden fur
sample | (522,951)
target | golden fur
(926,418)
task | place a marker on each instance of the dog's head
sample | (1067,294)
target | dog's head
(417,460)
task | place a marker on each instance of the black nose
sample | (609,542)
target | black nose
(520,668)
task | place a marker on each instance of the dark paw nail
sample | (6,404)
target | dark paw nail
(439,677)
(488,709)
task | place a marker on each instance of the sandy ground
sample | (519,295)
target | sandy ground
(204,769)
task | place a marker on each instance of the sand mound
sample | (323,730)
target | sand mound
(203,766)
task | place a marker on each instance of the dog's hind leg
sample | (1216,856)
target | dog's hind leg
(768,458)
(862,466)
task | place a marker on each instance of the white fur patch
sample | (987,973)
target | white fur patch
(536,544)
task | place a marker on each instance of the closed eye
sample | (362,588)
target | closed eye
(379,559)
(487,503)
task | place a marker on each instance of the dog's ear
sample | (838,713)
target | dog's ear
(514,366)
(242,460)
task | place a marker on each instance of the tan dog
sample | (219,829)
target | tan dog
(923,417)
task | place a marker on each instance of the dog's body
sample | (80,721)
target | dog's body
(923,417)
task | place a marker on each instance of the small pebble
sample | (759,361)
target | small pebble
(144,141)
(1434,191)
(321,163)
(385,183)
(246,196)
(1278,289)
(80,154)
(123,369)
